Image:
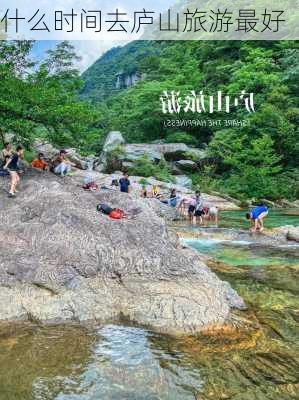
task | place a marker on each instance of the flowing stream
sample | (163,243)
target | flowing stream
(117,362)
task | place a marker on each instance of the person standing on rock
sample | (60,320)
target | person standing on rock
(12,165)
(256,217)
(125,184)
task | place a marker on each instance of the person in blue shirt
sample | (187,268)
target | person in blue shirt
(125,184)
(256,216)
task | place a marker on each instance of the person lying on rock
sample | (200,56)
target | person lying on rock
(125,184)
(61,165)
(39,163)
(12,165)
(256,217)
(172,200)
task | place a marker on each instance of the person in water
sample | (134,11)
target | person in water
(196,209)
(256,217)
(40,163)
(12,165)
(125,184)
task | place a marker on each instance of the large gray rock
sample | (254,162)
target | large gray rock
(133,152)
(184,181)
(113,140)
(288,232)
(154,151)
(46,148)
(186,165)
(50,152)
(60,260)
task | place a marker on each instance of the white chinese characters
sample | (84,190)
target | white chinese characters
(173,102)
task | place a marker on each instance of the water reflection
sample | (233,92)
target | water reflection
(111,362)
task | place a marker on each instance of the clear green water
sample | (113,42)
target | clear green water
(275,218)
(115,362)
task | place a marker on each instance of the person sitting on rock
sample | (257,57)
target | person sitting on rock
(12,165)
(256,217)
(39,163)
(172,200)
(5,154)
(125,184)
(143,191)
(61,165)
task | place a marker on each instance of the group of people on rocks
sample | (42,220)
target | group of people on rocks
(10,165)
(194,206)
(61,165)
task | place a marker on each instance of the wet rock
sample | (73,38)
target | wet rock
(287,232)
(60,260)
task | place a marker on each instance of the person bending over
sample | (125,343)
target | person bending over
(256,217)
(12,165)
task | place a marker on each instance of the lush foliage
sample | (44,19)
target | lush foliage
(259,159)
(42,100)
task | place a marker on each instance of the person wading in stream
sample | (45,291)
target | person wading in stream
(256,217)
(12,165)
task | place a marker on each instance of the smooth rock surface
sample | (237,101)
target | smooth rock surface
(60,260)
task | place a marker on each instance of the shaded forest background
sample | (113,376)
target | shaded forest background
(260,160)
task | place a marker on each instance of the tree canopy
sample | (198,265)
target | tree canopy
(41,99)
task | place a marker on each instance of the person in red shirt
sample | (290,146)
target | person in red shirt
(40,163)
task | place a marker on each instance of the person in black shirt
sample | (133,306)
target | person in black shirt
(13,169)
(125,184)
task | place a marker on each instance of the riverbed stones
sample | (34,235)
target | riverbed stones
(61,260)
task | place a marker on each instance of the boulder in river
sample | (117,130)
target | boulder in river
(61,260)
(288,232)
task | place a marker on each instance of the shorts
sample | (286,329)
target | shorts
(199,213)
(191,209)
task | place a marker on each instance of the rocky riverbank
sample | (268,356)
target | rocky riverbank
(60,260)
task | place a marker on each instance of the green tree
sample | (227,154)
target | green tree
(42,98)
